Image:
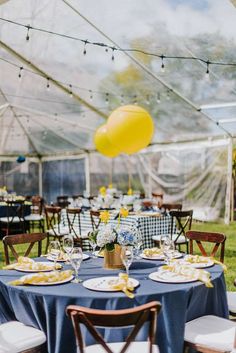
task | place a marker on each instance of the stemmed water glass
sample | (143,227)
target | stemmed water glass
(76,258)
(138,243)
(168,247)
(54,250)
(127,256)
(68,245)
(93,245)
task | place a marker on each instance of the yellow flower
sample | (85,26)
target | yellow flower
(104,216)
(130,191)
(110,186)
(124,212)
(103,190)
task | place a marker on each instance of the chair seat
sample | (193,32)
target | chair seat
(17,337)
(135,347)
(181,239)
(34,217)
(11,219)
(62,231)
(231,297)
(211,332)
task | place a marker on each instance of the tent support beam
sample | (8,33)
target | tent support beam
(229,183)
(52,80)
(147,70)
(87,173)
(40,174)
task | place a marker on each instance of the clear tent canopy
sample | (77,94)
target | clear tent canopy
(66,65)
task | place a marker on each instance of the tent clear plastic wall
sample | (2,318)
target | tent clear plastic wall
(53,97)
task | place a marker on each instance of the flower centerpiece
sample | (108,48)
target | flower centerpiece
(110,239)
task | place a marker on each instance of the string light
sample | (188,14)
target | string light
(20,73)
(85,51)
(107,98)
(162,64)
(168,95)
(91,95)
(122,99)
(99,44)
(135,99)
(27,34)
(113,57)
(207,74)
(158,98)
(71,93)
(48,84)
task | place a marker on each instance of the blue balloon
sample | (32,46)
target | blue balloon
(20,159)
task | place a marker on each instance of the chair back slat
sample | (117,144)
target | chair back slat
(53,218)
(182,220)
(200,238)
(11,241)
(95,219)
(135,317)
(74,223)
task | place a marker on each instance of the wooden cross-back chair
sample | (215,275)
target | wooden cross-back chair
(55,230)
(11,241)
(134,317)
(95,219)
(171,206)
(14,222)
(35,220)
(182,220)
(200,238)
(74,222)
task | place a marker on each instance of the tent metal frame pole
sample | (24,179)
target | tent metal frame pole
(146,69)
(44,74)
(229,183)
(40,174)
(87,173)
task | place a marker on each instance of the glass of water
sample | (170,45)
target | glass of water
(127,256)
(68,245)
(76,258)
(55,250)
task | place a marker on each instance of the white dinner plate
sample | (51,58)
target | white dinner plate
(85,257)
(19,267)
(160,257)
(209,263)
(98,254)
(103,284)
(170,277)
(66,280)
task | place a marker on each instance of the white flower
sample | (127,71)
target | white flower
(106,235)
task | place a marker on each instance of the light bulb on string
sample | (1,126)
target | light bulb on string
(147,100)
(158,98)
(107,98)
(113,57)
(85,51)
(207,74)
(168,95)
(122,99)
(91,95)
(48,84)
(135,99)
(27,34)
(162,64)
(20,72)
(71,93)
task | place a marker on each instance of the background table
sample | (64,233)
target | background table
(44,307)
(148,225)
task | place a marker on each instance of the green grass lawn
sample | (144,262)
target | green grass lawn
(230,248)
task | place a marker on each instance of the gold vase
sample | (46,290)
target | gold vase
(112,259)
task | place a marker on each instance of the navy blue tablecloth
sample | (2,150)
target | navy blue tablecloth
(44,307)
(4,213)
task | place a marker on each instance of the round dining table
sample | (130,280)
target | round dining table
(44,306)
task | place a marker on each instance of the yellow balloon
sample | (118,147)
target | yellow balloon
(103,144)
(130,128)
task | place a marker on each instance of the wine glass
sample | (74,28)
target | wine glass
(76,258)
(127,256)
(168,248)
(55,250)
(68,244)
(93,245)
(138,243)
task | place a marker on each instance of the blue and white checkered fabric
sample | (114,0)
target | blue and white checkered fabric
(147,225)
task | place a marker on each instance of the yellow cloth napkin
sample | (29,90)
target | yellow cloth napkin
(124,285)
(203,259)
(47,277)
(224,267)
(190,272)
(152,252)
(26,263)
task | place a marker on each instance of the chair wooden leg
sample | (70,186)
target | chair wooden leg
(47,244)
